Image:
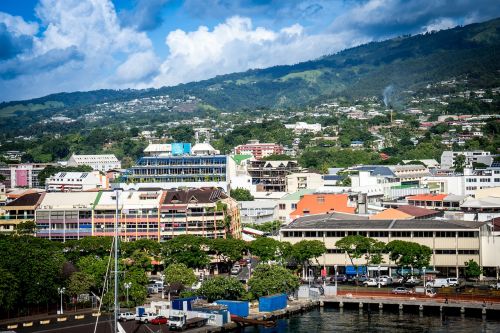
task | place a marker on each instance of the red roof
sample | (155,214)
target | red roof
(417,211)
(428,197)
(311,204)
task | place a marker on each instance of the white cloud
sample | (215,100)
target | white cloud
(236,46)
(17,25)
(138,67)
(439,24)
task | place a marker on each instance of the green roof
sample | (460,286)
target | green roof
(296,195)
(97,198)
(239,158)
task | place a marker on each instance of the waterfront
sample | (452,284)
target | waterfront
(337,320)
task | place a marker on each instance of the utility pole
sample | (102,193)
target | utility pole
(117,305)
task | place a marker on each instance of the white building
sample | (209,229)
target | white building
(158,149)
(258,212)
(204,149)
(477,156)
(76,181)
(303,180)
(300,127)
(97,162)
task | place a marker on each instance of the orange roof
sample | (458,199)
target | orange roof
(311,204)
(391,214)
(428,197)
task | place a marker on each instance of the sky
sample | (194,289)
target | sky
(50,46)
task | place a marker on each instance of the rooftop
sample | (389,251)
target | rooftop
(428,197)
(26,200)
(391,214)
(324,222)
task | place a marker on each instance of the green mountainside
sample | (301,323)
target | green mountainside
(407,62)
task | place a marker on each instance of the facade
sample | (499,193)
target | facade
(158,149)
(258,212)
(20,210)
(481,209)
(476,156)
(301,127)
(204,212)
(63,216)
(76,181)
(270,176)
(148,214)
(410,174)
(288,204)
(452,242)
(182,170)
(22,175)
(97,162)
(322,203)
(259,150)
(303,180)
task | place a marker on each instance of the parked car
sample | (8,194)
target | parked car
(236,269)
(385,280)
(243,262)
(453,282)
(398,279)
(401,290)
(370,283)
(412,281)
(160,320)
(441,283)
(146,317)
(339,277)
(495,286)
(124,316)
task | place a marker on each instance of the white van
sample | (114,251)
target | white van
(441,283)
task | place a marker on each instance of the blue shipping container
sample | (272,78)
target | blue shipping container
(272,303)
(238,308)
(183,303)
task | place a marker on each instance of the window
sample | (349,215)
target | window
(292,234)
(321,199)
(401,234)
(468,251)
(338,234)
(445,234)
(445,251)
(427,234)
(467,234)
(379,233)
(310,234)
(334,251)
(294,206)
(282,206)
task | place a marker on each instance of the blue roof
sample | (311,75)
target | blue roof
(332,177)
(357,142)
(377,170)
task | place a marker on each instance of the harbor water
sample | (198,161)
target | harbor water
(343,320)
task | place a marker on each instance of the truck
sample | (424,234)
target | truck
(181,322)
(442,283)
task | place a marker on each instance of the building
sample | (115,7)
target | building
(13,155)
(20,210)
(464,184)
(481,209)
(319,203)
(158,149)
(453,243)
(96,162)
(258,212)
(138,214)
(180,171)
(288,203)
(204,212)
(476,156)
(301,127)
(76,181)
(65,216)
(303,180)
(259,150)
(420,213)
(270,176)
(22,175)
(391,214)
(410,174)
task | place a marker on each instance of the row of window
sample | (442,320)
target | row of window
(382,234)
(440,251)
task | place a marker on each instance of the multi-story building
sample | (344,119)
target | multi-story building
(323,203)
(476,156)
(103,162)
(259,150)
(65,216)
(259,211)
(410,174)
(137,214)
(76,181)
(270,176)
(466,184)
(453,243)
(205,212)
(22,175)
(303,180)
(20,210)
(288,204)
(300,127)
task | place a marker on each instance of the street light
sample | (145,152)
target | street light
(162,276)
(61,291)
(127,286)
(378,276)
(336,274)
(423,269)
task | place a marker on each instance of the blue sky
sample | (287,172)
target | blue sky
(49,46)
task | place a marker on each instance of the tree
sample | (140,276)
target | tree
(27,228)
(95,267)
(270,227)
(221,287)
(230,248)
(472,269)
(306,250)
(409,254)
(187,249)
(9,290)
(270,249)
(241,194)
(80,283)
(459,163)
(272,279)
(179,273)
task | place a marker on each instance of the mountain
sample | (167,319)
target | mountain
(407,62)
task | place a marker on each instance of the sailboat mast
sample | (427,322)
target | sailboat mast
(117,305)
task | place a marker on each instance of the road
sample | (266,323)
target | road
(104,326)
(243,274)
